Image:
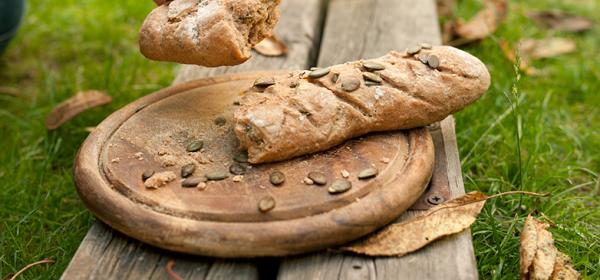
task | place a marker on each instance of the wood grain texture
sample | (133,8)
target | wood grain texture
(296,15)
(389,25)
(299,28)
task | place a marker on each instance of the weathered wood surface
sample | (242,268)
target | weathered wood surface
(355,28)
(388,25)
(130,259)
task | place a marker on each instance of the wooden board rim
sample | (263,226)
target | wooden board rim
(231,239)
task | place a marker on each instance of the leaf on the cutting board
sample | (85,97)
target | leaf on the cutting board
(483,24)
(539,258)
(400,239)
(271,46)
(445,8)
(75,105)
(562,21)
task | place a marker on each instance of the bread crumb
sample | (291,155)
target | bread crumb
(345,173)
(385,160)
(159,179)
(307,181)
(237,178)
(168,160)
(202,186)
(139,156)
(115,160)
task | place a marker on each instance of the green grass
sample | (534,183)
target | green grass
(67,46)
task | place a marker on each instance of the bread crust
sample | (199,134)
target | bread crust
(297,115)
(207,32)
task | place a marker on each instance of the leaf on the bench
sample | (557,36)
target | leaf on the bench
(271,46)
(539,258)
(400,239)
(75,105)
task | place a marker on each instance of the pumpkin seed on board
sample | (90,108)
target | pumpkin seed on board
(194,146)
(187,170)
(318,178)
(192,182)
(277,178)
(241,157)
(339,186)
(372,66)
(220,121)
(147,174)
(237,169)
(426,46)
(372,77)
(264,82)
(318,73)
(367,173)
(350,85)
(216,175)
(413,50)
(433,61)
(266,204)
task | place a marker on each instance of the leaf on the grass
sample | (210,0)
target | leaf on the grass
(545,48)
(271,46)
(483,24)
(539,258)
(400,239)
(562,21)
(445,8)
(75,105)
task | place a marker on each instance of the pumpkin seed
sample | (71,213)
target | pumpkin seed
(264,82)
(339,186)
(241,157)
(188,170)
(216,175)
(367,173)
(220,121)
(318,73)
(237,169)
(350,85)
(413,50)
(277,178)
(147,174)
(372,66)
(433,61)
(194,146)
(372,77)
(318,178)
(426,46)
(192,182)
(266,204)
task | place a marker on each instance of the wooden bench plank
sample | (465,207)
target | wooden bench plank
(107,254)
(379,26)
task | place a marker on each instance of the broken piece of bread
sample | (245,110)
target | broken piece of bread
(207,32)
(309,111)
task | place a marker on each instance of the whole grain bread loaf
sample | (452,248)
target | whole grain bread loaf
(207,32)
(309,111)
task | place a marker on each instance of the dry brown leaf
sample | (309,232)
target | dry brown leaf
(539,259)
(545,48)
(445,8)
(561,21)
(483,24)
(75,105)
(271,46)
(400,239)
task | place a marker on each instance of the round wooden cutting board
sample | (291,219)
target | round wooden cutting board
(223,219)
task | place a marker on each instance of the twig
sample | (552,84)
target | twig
(30,266)
(170,272)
